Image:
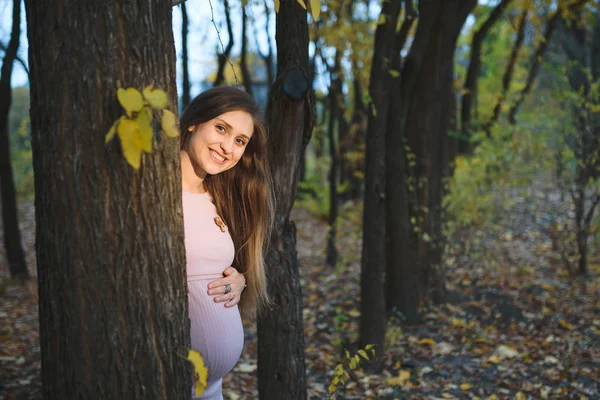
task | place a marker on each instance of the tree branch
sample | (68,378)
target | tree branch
(507,78)
(18,59)
(469,97)
(536,59)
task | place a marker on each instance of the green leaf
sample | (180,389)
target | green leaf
(394,73)
(131,100)
(363,354)
(168,124)
(156,98)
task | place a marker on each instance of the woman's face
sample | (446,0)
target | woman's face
(217,145)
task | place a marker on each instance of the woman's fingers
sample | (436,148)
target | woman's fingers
(226,297)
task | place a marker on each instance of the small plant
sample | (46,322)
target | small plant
(351,363)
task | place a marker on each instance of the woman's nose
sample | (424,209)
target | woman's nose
(227,145)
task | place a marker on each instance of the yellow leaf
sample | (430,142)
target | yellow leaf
(131,141)
(369,346)
(155,97)
(146,132)
(302,3)
(131,100)
(168,124)
(459,322)
(363,354)
(200,372)
(400,380)
(426,341)
(494,359)
(352,364)
(447,395)
(566,325)
(315,9)
(354,313)
(465,386)
(112,131)
(492,397)
(520,396)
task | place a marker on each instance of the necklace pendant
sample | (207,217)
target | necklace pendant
(220,223)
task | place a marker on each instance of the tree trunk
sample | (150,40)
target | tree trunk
(243,58)
(290,115)
(185,96)
(403,288)
(109,239)
(223,57)
(335,90)
(10,211)
(373,318)
(469,97)
(427,124)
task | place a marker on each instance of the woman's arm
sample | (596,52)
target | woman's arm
(237,283)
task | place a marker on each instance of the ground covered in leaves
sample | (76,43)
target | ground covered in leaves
(516,326)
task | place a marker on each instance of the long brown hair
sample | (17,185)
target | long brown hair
(242,194)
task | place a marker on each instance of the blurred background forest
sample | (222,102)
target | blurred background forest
(497,181)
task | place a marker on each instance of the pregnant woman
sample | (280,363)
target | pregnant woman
(226,209)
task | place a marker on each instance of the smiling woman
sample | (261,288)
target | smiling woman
(226,209)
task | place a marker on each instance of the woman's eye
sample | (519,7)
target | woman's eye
(221,128)
(241,142)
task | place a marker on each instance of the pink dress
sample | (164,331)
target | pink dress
(217,331)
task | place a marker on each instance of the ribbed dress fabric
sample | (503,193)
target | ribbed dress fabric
(216,331)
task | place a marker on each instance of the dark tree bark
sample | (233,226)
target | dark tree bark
(373,319)
(469,97)
(185,96)
(510,67)
(335,91)
(427,80)
(109,239)
(246,77)
(290,115)
(10,211)
(402,285)
(224,57)
(353,169)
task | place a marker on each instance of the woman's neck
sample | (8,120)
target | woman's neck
(191,179)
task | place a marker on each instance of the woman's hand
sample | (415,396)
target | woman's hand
(237,283)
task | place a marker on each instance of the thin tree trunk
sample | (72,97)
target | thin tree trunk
(335,90)
(510,67)
(538,57)
(469,97)
(268,57)
(290,115)
(185,96)
(224,57)
(373,319)
(244,56)
(109,239)
(10,212)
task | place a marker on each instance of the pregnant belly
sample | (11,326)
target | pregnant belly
(217,331)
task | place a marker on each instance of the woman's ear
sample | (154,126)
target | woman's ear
(191,128)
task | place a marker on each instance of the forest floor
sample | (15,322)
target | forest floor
(516,326)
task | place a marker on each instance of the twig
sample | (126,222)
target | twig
(212,19)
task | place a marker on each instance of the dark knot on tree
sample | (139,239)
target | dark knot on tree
(295,83)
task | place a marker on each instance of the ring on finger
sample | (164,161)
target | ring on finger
(227,288)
